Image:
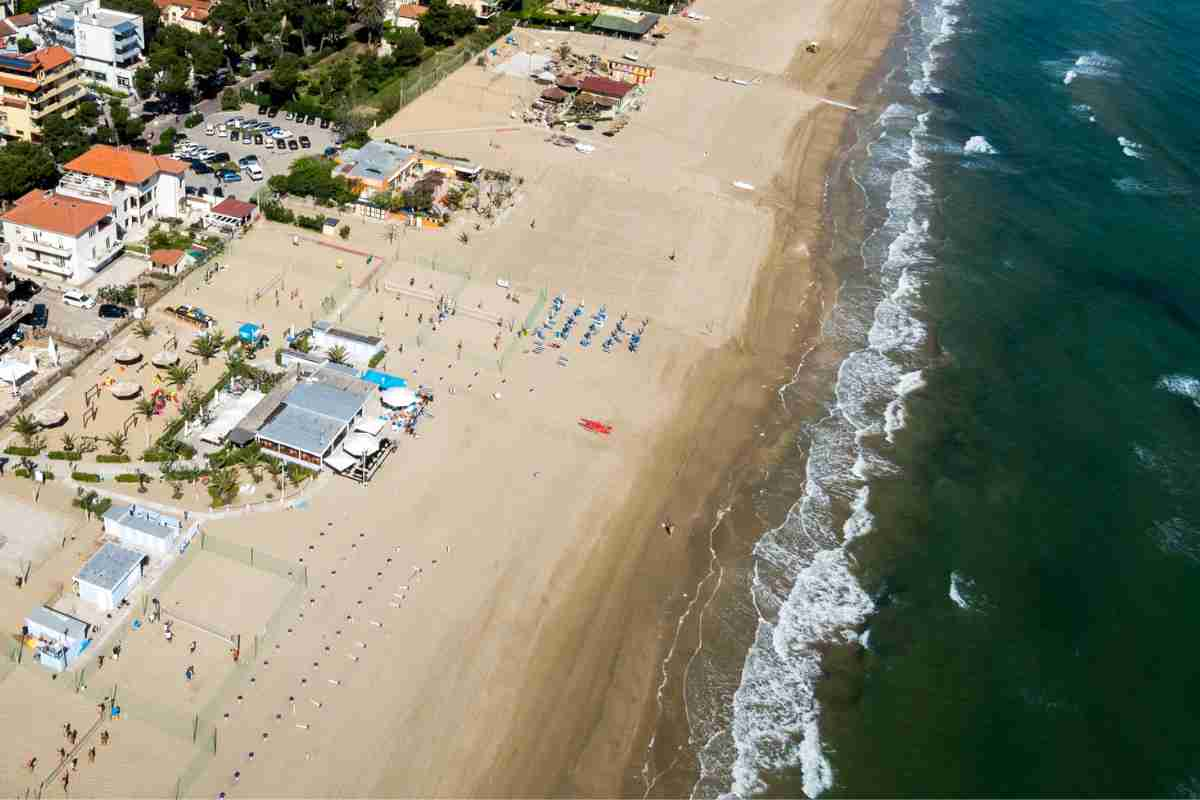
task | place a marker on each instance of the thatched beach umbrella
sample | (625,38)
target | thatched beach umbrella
(125,390)
(49,417)
(165,358)
(127,355)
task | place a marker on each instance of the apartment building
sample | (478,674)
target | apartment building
(33,86)
(107,44)
(189,14)
(51,234)
(139,187)
(483,9)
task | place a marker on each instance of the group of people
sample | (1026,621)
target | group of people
(71,734)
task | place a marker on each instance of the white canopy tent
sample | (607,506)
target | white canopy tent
(13,372)
(371,425)
(360,444)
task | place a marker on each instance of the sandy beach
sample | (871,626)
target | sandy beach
(487,617)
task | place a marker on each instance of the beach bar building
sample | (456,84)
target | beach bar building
(109,576)
(360,347)
(311,422)
(142,528)
(57,639)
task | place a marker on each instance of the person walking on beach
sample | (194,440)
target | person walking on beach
(62,754)
(92,755)
(31,764)
(192,648)
(189,672)
(75,763)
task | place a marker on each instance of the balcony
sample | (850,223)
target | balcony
(35,243)
(87,187)
(103,258)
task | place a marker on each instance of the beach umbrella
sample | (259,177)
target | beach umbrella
(360,444)
(398,397)
(49,417)
(125,390)
(165,358)
(127,355)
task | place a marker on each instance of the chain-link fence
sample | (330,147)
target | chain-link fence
(289,570)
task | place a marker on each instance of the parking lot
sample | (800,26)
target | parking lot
(272,161)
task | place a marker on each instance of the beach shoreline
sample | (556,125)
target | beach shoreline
(698,474)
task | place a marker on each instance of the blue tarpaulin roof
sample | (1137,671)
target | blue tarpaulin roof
(382,379)
(248,331)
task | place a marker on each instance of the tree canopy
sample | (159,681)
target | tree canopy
(25,166)
(444,23)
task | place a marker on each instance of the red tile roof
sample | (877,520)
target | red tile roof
(128,166)
(6,29)
(411,11)
(605,86)
(56,213)
(52,57)
(232,207)
(22,20)
(167,258)
(13,82)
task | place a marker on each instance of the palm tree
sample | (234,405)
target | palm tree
(222,485)
(208,345)
(87,444)
(178,376)
(192,405)
(145,408)
(337,354)
(116,443)
(235,363)
(69,443)
(275,469)
(27,428)
(144,329)
(87,502)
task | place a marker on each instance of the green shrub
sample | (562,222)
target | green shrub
(63,455)
(21,472)
(375,359)
(193,120)
(86,477)
(109,458)
(230,100)
(313,223)
(276,212)
(132,477)
(161,149)
(22,451)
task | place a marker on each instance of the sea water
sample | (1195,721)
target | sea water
(986,581)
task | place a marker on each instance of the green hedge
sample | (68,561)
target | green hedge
(21,472)
(193,120)
(86,477)
(22,451)
(130,477)
(108,458)
(63,455)
(375,359)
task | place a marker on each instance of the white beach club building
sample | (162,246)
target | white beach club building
(57,639)
(360,347)
(142,528)
(109,576)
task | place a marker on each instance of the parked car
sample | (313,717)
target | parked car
(262,110)
(305,142)
(246,161)
(190,191)
(38,317)
(255,172)
(330,151)
(324,123)
(209,130)
(234,136)
(229,176)
(221,157)
(74,297)
(293,144)
(202,191)
(200,168)
(110,311)
(272,113)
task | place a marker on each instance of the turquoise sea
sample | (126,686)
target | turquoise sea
(988,576)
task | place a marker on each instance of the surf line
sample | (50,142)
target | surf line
(829,102)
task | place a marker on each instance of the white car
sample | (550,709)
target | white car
(209,130)
(74,297)
(254,171)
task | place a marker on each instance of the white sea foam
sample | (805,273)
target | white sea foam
(977,145)
(1176,536)
(860,520)
(960,590)
(1183,386)
(1070,77)
(1135,186)
(896,413)
(1091,65)
(775,711)
(1131,148)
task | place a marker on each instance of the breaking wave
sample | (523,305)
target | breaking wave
(1183,386)
(977,145)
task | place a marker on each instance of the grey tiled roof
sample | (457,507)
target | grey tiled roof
(327,401)
(301,429)
(145,520)
(109,566)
